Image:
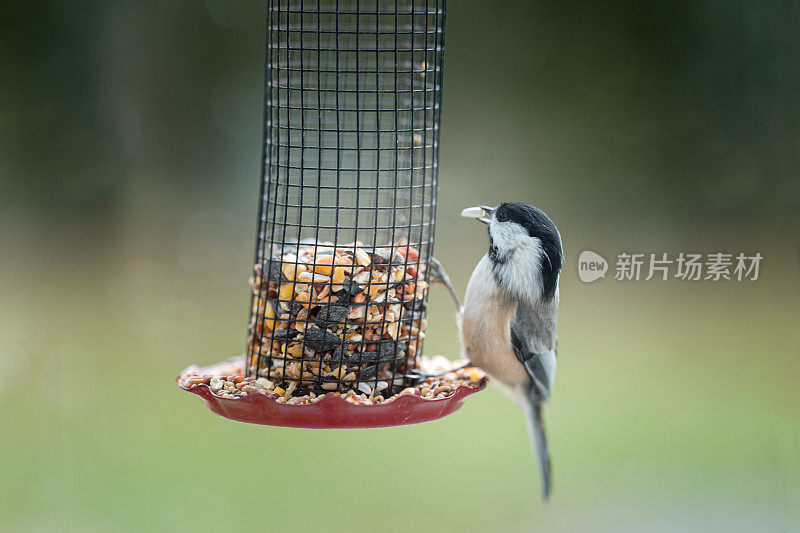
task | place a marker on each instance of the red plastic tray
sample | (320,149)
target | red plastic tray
(332,411)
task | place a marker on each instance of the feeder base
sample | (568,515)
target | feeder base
(333,410)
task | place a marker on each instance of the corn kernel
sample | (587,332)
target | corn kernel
(291,270)
(338,277)
(308,277)
(286,291)
(374,290)
(295,350)
(269,317)
(279,391)
(304,298)
(338,372)
(324,265)
(362,257)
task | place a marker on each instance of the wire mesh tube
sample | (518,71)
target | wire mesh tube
(348,193)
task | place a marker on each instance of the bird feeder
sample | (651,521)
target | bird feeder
(347,208)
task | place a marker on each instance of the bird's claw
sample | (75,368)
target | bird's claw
(437,274)
(418,376)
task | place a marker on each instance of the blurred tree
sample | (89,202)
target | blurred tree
(60,145)
(666,105)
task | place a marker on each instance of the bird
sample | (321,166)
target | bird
(509,318)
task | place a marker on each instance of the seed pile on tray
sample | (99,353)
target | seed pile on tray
(227,380)
(337,318)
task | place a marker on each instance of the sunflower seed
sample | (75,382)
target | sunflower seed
(349,289)
(386,352)
(284,334)
(273,269)
(322,340)
(330,315)
(388,348)
(416,305)
(368,372)
(383,257)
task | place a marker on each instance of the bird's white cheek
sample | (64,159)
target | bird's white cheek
(506,236)
(521,270)
(523,274)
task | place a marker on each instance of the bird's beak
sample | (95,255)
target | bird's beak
(481,212)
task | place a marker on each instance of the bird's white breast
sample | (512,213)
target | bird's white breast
(485,328)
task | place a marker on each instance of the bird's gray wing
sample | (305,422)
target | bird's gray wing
(533,338)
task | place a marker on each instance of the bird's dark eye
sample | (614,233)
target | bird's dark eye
(502,216)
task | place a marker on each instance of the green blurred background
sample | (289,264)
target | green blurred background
(130,139)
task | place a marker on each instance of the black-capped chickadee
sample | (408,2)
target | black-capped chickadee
(510,312)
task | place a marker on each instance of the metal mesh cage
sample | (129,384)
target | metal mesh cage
(348,192)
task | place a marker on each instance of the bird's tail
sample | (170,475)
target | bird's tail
(539,441)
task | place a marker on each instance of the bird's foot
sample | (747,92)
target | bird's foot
(437,274)
(418,376)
